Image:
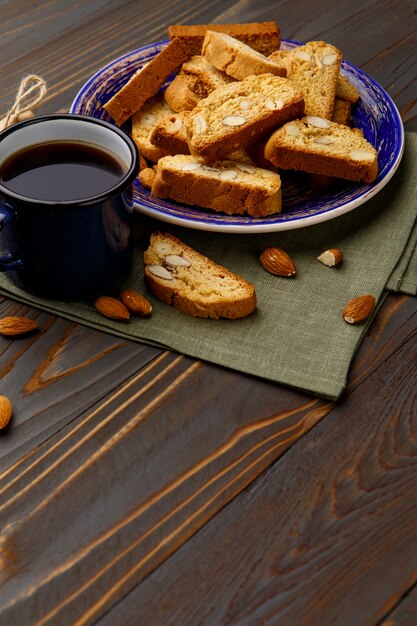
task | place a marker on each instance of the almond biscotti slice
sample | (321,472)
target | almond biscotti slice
(236,115)
(346,91)
(203,76)
(179,94)
(169,133)
(342,112)
(143,123)
(237,59)
(315,69)
(179,275)
(318,146)
(227,186)
(344,88)
(146,82)
(261,36)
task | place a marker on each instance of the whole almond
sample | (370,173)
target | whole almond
(277,262)
(331,257)
(136,303)
(5,411)
(16,325)
(112,308)
(358,309)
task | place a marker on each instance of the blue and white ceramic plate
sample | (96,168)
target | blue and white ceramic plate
(375,114)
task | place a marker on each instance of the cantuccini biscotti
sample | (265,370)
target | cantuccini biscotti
(179,94)
(261,36)
(169,133)
(227,186)
(143,122)
(147,81)
(319,146)
(237,59)
(179,275)
(238,114)
(342,112)
(315,68)
(345,90)
(207,77)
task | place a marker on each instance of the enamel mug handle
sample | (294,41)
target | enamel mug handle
(8,260)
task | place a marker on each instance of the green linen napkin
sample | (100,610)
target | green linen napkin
(297,336)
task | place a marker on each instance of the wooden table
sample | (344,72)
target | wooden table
(142,487)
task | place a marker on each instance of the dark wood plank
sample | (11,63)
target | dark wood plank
(57,373)
(140,478)
(155,461)
(67,42)
(405,613)
(327,536)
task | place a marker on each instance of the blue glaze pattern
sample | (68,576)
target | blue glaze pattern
(375,113)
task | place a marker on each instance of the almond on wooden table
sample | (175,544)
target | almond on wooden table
(277,262)
(5,411)
(136,303)
(111,308)
(358,309)
(15,325)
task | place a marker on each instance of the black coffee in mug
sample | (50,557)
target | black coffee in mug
(66,205)
(61,170)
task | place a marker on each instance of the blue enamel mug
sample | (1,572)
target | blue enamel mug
(63,237)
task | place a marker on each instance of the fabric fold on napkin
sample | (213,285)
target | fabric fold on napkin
(297,336)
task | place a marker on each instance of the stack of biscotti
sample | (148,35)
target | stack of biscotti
(237,96)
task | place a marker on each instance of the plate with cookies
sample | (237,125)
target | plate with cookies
(240,131)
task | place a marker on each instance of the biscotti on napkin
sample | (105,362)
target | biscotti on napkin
(192,283)
(238,114)
(319,146)
(227,186)
(261,36)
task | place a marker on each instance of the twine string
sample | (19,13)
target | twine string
(31,92)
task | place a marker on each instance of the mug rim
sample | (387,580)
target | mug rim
(119,186)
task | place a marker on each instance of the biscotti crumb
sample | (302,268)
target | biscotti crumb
(179,275)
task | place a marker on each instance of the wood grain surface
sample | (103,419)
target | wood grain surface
(142,487)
